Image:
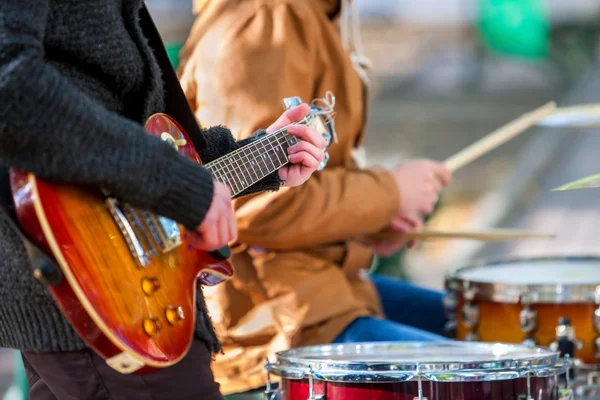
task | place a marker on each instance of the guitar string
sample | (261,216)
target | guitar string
(249,164)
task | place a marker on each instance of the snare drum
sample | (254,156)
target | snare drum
(544,301)
(418,370)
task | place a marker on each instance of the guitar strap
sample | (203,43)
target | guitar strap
(176,103)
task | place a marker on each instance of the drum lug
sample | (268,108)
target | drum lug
(450,329)
(449,301)
(420,388)
(596,318)
(529,342)
(472,337)
(270,392)
(528,320)
(527,316)
(470,315)
(597,347)
(470,312)
(311,388)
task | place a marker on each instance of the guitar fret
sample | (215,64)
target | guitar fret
(248,165)
(233,184)
(275,154)
(283,149)
(267,156)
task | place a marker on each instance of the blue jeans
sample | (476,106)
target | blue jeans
(412,314)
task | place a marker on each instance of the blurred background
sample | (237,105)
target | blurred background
(448,72)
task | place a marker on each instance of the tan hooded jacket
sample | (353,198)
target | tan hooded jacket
(299,256)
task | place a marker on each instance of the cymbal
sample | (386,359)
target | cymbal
(589,182)
(581,116)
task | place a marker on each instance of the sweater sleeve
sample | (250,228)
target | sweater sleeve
(52,129)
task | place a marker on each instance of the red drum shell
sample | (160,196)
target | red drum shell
(512,389)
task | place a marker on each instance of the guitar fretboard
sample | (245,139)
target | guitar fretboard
(247,165)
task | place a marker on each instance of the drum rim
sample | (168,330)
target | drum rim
(559,293)
(291,364)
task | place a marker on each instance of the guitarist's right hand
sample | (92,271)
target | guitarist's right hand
(219,227)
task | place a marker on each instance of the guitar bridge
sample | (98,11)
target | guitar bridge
(135,246)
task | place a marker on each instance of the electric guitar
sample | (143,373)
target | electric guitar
(127,279)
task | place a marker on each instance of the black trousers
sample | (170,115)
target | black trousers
(83,375)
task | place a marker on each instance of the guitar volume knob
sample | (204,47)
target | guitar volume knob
(150,285)
(151,326)
(174,314)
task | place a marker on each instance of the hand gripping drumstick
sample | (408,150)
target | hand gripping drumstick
(498,137)
(470,154)
(493,235)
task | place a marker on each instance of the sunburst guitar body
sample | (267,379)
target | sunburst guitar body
(129,277)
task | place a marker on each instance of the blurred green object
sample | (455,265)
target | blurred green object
(392,266)
(252,395)
(515,27)
(173,49)
(19,388)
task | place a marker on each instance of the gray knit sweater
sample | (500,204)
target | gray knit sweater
(77,79)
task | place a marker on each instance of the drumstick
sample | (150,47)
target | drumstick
(494,235)
(498,137)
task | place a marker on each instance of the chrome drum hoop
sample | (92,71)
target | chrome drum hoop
(327,362)
(559,293)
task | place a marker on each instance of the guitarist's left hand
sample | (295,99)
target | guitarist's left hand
(304,156)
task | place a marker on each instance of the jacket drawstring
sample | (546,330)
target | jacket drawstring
(351,39)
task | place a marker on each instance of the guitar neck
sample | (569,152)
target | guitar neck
(247,165)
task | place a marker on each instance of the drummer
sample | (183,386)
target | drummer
(300,271)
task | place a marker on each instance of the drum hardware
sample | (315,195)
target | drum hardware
(470,313)
(450,329)
(528,397)
(566,343)
(311,387)
(593,378)
(472,337)
(270,392)
(597,347)
(420,387)
(596,316)
(450,302)
(528,318)
(566,393)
